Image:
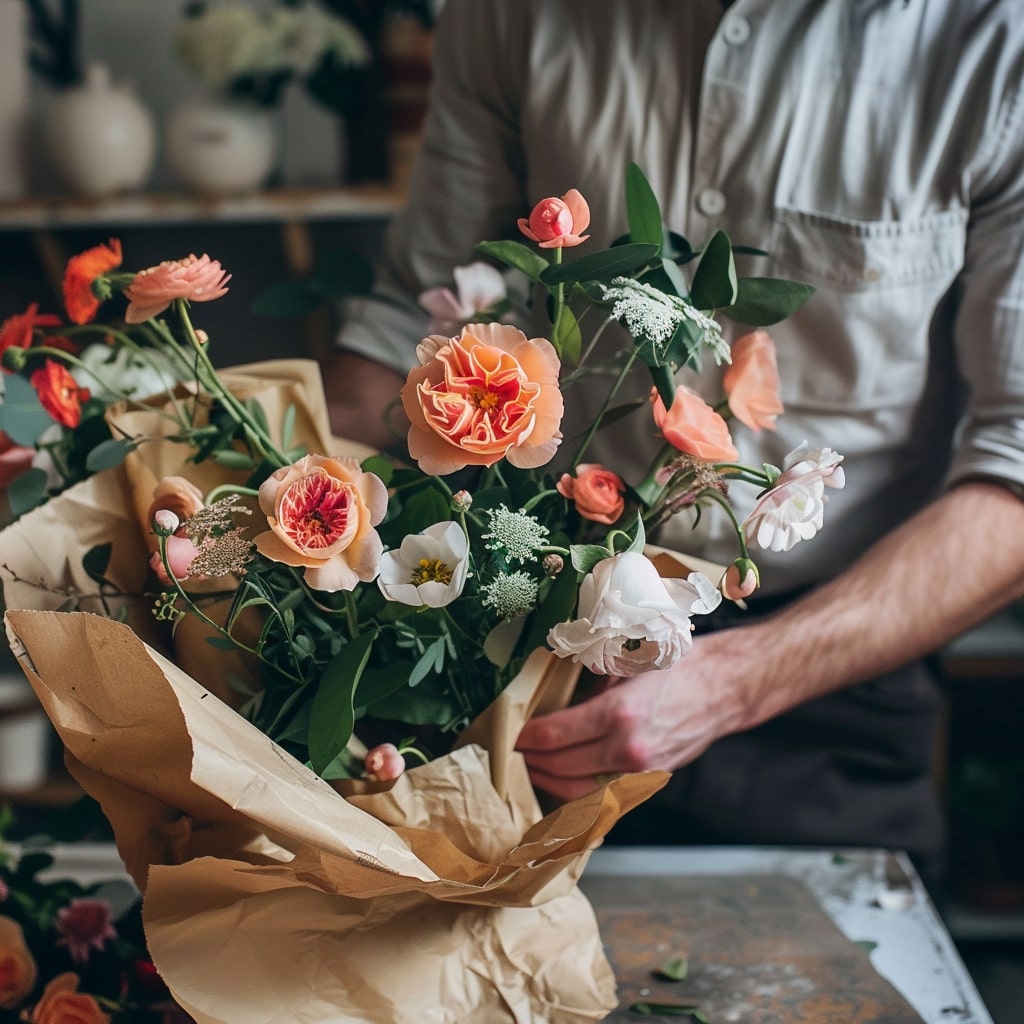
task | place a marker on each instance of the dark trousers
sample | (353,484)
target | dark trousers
(853,768)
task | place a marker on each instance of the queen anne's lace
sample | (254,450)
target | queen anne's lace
(517,534)
(510,594)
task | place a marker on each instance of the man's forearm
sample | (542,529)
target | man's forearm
(362,400)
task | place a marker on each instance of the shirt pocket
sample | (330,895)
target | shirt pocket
(863,340)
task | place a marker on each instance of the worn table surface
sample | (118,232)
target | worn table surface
(778,936)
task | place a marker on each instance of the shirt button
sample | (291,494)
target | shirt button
(737,30)
(711,202)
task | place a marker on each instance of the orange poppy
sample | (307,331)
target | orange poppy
(80,301)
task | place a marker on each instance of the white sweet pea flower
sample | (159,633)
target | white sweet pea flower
(631,619)
(793,510)
(429,568)
(480,288)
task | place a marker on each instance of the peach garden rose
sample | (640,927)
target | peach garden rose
(597,493)
(17,967)
(322,513)
(489,394)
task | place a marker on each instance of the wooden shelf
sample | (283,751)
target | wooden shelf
(363,202)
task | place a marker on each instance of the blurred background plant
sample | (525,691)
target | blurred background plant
(54,42)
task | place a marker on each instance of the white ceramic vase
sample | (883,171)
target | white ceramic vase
(221,147)
(100,137)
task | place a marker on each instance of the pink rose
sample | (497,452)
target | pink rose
(557,223)
(692,426)
(384,763)
(196,278)
(751,381)
(489,394)
(322,513)
(598,493)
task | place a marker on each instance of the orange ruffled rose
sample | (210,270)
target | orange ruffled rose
(692,426)
(598,493)
(751,381)
(62,1003)
(489,394)
(195,278)
(322,513)
(82,270)
(557,223)
(17,967)
(59,393)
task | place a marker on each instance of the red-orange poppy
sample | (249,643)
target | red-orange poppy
(80,274)
(17,331)
(59,393)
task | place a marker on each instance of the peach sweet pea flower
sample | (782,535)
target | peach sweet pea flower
(322,513)
(59,393)
(692,426)
(557,223)
(479,289)
(489,394)
(81,272)
(751,381)
(62,1003)
(17,967)
(598,493)
(17,331)
(196,278)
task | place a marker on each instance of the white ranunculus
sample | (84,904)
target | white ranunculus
(437,552)
(794,509)
(631,619)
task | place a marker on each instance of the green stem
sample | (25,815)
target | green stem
(623,373)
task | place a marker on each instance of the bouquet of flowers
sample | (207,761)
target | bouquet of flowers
(364,612)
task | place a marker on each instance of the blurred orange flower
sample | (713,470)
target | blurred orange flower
(196,278)
(80,301)
(62,1003)
(17,967)
(16,331)
(489,394)
(692,426)
(751,381)
(59,393)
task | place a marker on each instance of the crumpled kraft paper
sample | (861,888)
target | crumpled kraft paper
(269,896)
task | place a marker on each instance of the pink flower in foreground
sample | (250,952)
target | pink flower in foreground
(557,223)
(751,381)
(692,426)
(793,510)
(384,763)
(480,288)
(322,513)
(489,394)
(598,493)
(196,278)
(84,925)
(740,580)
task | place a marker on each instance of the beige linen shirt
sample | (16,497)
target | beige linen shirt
(874,148)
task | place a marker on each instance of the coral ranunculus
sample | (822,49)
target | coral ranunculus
(17,331)
(692,426)
(82,271)
(558,223)
(489,394)
(62,1003)
(322,513)
(59,393)
(751,381)
(598,493)
(17,967)
(195,278)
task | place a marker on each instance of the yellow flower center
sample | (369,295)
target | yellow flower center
(431,570)
(485,399)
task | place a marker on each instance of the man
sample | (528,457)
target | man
(875,149)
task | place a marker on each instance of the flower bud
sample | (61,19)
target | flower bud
(553,564)
(384,763)
(741,580)
(14,358)
(165,522)
(462,501)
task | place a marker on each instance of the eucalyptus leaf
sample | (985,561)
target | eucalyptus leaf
(27,491)
(332,715)
(432,660)
(231,459)
(566,336)
(109,454)
(22,417)
(714,281)
(762,301)
(96,561)
(601,266)
(642,208)
(515,254)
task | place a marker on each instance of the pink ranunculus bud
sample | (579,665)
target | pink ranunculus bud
(740,580)
(557,223)
(165,521)
(384,763)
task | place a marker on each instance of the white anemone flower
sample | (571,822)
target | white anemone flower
(631,619)
(479,288)
(794,509)
(429,568)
